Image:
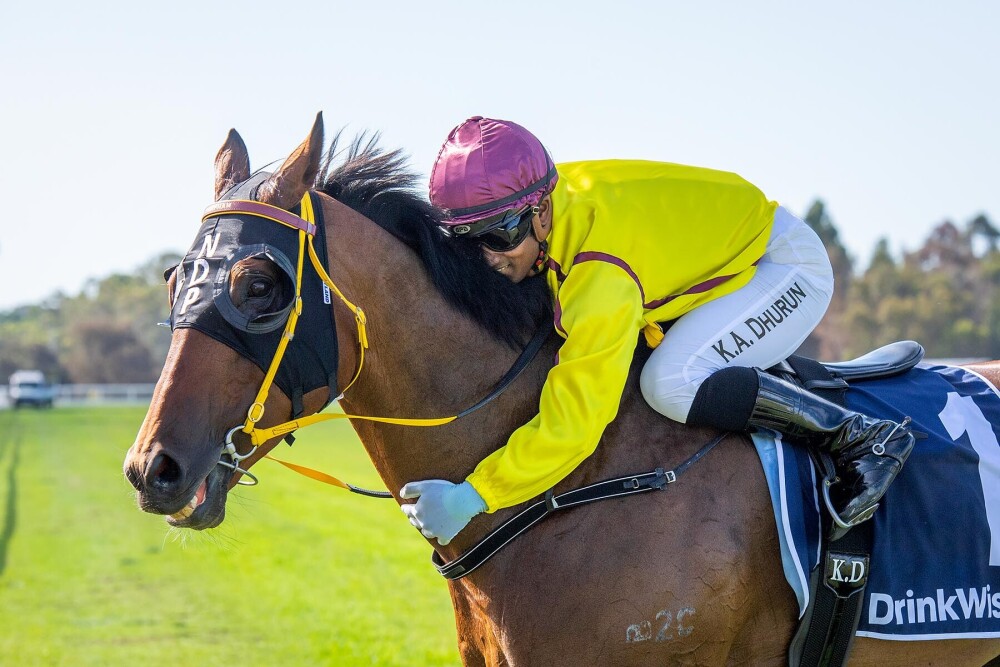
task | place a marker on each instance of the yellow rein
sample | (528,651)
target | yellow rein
(259,436)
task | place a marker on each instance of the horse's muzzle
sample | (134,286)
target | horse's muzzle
(163,483)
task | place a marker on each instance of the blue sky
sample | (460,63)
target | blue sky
(111,113)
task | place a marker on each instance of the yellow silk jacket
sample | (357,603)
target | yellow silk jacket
(632,243)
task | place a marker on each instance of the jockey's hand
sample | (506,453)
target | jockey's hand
(442,508)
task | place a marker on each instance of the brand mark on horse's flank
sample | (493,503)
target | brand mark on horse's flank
(758,326)
(665,619)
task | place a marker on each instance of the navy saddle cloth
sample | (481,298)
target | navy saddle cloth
(935,570)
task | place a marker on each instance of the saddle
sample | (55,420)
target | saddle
(886,361)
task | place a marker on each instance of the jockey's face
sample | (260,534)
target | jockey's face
(518,263)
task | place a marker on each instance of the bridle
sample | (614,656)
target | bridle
(306,226)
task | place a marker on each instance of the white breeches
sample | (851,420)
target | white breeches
(758,325)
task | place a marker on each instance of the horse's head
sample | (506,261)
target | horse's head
(231,299)
(257,273)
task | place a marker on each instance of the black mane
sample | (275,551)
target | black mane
(379,185)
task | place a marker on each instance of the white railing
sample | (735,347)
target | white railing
(94,394)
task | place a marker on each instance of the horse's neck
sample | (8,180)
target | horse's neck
(427,360)
(424,360)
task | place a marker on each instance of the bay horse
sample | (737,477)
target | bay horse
(697,565)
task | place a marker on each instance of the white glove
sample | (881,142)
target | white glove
(443,508)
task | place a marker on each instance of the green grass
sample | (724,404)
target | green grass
(300,573)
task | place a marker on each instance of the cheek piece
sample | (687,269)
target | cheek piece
(201,298)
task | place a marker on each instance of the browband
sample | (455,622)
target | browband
(259,209)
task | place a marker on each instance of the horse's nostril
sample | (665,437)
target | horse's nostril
(134,476)
(164,473)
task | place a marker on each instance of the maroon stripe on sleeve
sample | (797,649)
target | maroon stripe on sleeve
(553,265)
(591,256)
(700,288)
(558,319)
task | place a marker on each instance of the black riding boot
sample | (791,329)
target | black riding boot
(868,453)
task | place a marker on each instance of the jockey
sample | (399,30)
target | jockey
(626,244)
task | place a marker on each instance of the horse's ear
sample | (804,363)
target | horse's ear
(286,186)
(232,164)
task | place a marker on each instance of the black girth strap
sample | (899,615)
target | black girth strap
(612,488)
(826,632)
(837,584)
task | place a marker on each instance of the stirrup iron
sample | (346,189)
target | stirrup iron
(841,526)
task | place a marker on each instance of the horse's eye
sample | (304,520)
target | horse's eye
(259,287)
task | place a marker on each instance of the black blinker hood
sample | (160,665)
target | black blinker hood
(201,297)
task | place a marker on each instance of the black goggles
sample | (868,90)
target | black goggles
(501,233)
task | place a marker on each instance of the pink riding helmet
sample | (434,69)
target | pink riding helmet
(486,167)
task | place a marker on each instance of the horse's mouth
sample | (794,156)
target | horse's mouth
(207,506)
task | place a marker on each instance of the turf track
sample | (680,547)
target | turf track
(299,573)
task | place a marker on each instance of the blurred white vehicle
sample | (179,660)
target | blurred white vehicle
(30,388)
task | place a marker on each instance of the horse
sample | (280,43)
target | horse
(697,565)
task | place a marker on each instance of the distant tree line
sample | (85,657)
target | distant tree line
(105,334)
(946,295)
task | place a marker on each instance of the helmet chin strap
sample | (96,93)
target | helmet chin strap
(543,256)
